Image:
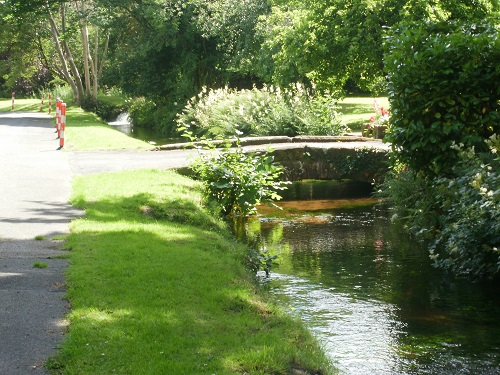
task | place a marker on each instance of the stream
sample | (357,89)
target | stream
(368,291)
(123,124)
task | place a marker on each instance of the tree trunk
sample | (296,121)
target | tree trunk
(95,70)
(69,58)
(60,53)
(80,6)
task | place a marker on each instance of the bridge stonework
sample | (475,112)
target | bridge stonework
(321,157)
(326,158)
(333,162)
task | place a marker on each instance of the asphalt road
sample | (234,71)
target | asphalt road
(35,182)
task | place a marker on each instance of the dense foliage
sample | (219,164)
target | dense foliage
(166,51)
(459,216)
(236,180)
(262,112)
(443,89)
(445,103)
(469,241)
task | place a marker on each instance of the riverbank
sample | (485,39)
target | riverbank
(158,285)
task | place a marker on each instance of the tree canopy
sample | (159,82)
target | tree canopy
(167,50)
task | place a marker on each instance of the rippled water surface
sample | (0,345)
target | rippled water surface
(370,295)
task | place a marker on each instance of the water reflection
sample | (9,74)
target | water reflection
(358,334)
(372,297)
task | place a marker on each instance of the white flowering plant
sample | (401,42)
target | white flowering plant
(468,239)
(265,111)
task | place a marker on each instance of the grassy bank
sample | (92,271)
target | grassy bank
(84,130)
(358,110)
(158,286)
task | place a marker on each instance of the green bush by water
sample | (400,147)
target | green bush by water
(458,215)
(443,89)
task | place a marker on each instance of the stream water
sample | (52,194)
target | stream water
(369,292)
(123,124)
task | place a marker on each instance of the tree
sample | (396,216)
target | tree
(21,66)
(330,41)
(69,54)
(232,24)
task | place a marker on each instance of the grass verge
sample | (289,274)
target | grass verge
(84,130)
(358,110)
(158,286)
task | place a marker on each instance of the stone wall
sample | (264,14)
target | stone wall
(321,157)
(364,164)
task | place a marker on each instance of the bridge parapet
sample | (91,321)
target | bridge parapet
(324,162)
(321,157)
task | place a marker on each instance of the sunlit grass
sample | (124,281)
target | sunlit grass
(358,110)
(84,130)
(163,290)
(30,105)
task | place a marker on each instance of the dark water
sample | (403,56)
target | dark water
(370,294)
(122,123)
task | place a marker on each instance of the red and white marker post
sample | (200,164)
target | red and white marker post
(13,97)
(50,103)
(63,125)
(58,116)
(41,104)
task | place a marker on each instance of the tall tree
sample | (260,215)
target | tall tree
(69,57)
(330,41)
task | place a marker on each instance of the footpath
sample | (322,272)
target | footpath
(35,185)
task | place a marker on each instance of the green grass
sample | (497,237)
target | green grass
(40,265)
(358,110)
(158,286)
(84,130)
(31,105)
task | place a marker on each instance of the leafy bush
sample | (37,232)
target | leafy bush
(316,114)
(460,215)
(236,180)
(443,89)
(104,110)
(469,240)
(62,92)
(151,115)
(268,111)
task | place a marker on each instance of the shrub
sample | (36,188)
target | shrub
(267,111)
(443,89)
(468,242)
(105,111)
(148,114)
(458,215)
(316,113)
(235,180)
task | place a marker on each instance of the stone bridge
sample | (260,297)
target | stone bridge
(322,157)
